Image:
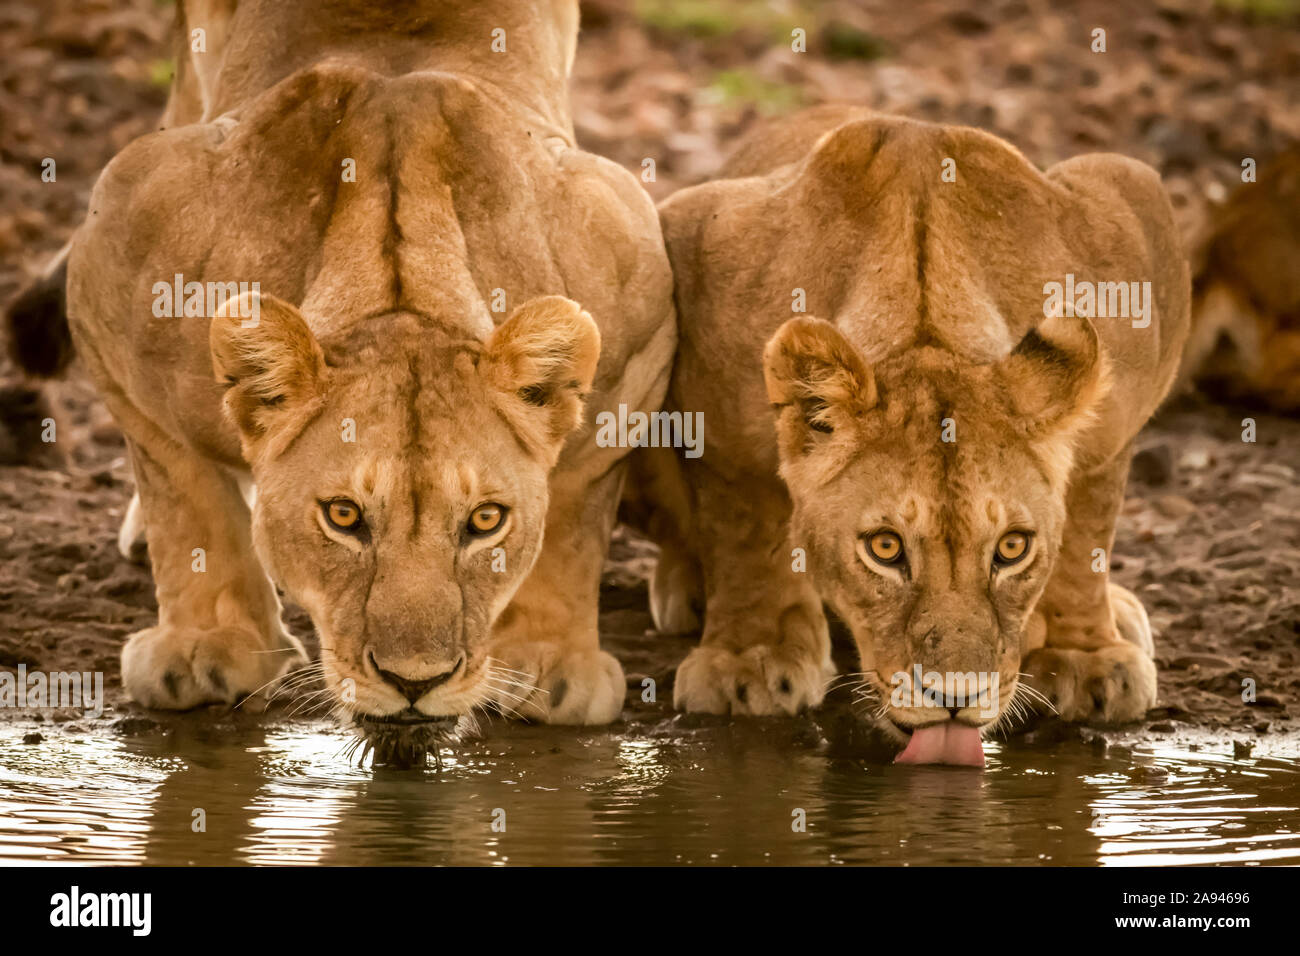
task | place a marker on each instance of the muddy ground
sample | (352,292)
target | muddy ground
(1210,537)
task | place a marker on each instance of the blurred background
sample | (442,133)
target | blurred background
(1190,86)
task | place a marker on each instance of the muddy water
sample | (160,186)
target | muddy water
(665,793)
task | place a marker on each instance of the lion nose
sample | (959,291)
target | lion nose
(415,688)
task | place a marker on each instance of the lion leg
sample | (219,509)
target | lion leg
(546,643)
(656,501)
(219,636)
(1097,660)
(675,590)
(766,645)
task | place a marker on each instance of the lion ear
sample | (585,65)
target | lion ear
(1055,374)
(817,381)
(539,365)
(268,359)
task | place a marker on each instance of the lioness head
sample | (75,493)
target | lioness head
(401,478)
(930,496)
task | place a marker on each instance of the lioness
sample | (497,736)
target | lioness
(1245,340)
(423,474)
(938,447)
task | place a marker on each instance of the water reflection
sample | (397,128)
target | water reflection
(713,793)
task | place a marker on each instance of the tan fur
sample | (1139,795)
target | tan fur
(1245,341)
(925,308)
(377,318)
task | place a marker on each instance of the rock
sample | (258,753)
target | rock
(1194,459)
(131,726)
(1142,774)
(1153,465)
(968,23)
(1268,700)
(1175,506)
(71,581)
(1255,594)
(1235,543)
(1200,660)
(1169,712)
(1259,479)
(32,738)
(71,551)
(11,656)
(1278,470)
(1241,749)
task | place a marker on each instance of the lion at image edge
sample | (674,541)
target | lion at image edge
(1245,340)
(946,455)
(419,460)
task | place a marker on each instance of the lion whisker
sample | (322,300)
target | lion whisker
(499,666)
(282,677)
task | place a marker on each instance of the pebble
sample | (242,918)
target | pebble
(1199,660)
(1234,544)
(1175,506)
(1259,480)
(1194,459)
(72,581)
(1153,465)
(1147,774)
(1269,700)
(130,726)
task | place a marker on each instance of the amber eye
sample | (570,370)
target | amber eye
(1012,546)
(486,518)
(343,514)
(886,547)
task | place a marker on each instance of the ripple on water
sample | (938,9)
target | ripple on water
(728,795)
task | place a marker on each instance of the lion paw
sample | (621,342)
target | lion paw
(761,680)
(1114,684)
(1130,619)
(170,668)
(558,684)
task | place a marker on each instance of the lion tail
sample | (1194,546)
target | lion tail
(36,322)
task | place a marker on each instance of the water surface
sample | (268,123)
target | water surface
(670,792)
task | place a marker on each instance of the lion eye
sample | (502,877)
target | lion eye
(486,518)
(886,547)
(1012,546)
(343,514)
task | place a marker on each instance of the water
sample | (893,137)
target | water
(668,792)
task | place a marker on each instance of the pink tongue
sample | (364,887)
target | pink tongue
(948,742)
